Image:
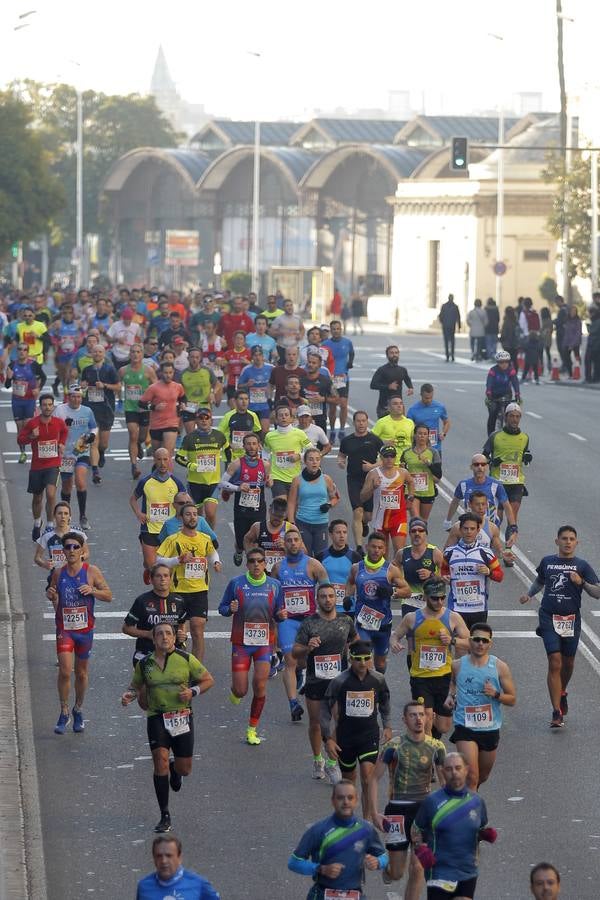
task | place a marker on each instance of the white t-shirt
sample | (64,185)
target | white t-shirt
(123,337)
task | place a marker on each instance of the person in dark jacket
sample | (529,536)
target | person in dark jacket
(508,334)
(492,327)
(559,328)
(449,318)
(388,380)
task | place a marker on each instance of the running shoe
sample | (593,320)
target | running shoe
(300,678)
(318,772)
(341,435)
(557,719)
(22,457)
(85,523)
(175,778)
(238,558)
(365,529)
(564,703)
(251,736)
(277,664)
(296,711)
(140,451)
(97,477)
(61,725)
(78,723)
(385,875)
(333,773)
(35,532)
(332,437)
(164,825)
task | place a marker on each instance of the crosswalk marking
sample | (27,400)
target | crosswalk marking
(119,636)
(213,613)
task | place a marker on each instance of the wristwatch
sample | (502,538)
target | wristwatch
(497,695)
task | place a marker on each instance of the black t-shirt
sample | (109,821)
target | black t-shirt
(334,634)
(313,387)
(384,376)
(149,610)
(358,704)
(359,449)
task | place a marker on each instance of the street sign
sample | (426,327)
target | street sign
(182,248)
(499,267)
(152,237)
(153,256)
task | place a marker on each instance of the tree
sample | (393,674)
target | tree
(30,194)
(575,185)
(237,282)
(112,125)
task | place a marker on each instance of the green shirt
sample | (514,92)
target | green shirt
(163,685)
(135,384)
(201,453)
(507,456)
(197,386)
(281,445)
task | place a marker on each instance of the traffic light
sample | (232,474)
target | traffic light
(460,154)
(14,250)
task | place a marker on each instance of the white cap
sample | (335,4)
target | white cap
(303,411)
(513,407)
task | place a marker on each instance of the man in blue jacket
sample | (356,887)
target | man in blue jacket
(170,878)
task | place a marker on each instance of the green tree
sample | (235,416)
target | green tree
(237,282)
(112,125)
(573,185)
(30,194)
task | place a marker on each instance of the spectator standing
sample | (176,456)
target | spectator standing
(546,337)
(477,320)
(358,310)
(492,327)
(449,318)
(509,337)
(572,339)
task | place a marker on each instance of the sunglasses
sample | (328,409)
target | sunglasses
(255,559)
(72,546)
(417,531)
(203,416)
(481,640)
(362,657)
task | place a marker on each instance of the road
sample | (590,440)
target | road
(242,810)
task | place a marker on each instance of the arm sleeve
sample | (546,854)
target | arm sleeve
(384,704)
(327,704)
(407,379)
(376,383)
(302,866)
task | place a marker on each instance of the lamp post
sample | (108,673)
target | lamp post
(79,200)
(255,260)
(568,137)
(499,191)
(594,222)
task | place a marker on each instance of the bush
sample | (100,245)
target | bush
(237,282)
(548,289)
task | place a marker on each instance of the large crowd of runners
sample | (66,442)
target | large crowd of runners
(314,595)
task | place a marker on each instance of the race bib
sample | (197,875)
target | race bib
(328,666)
(469,595)
(432,656)
(160,512)
(564,625)
(433,436)
(297,602)
(370,619)
(250,499)
(339,381)
(57,555)
(20,388)
(47,449)
(509,473)
(335,894)
(285,460)
(177,723)
(237,439)
(417,600)
(390,498)
(196,568)
(479,716)
(67,344)
(395,832)
(316,409)
(443,885)
(420,481)
(67,465)
(340,592)
(256,634)
(133,392)
(258,396)
(272,557)
(95,394)
(75,618)
(360,704)
(206,463)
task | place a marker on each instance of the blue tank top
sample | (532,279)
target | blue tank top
(338,570)
(311,494)
(374,592)
(74,611)
(298,587)
(474,709)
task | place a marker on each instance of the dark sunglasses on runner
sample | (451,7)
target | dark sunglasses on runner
(481,640)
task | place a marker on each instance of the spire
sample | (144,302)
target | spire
(161,82)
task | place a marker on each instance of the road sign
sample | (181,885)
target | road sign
(152,237)
(499,267)
(182,248)
(153,256)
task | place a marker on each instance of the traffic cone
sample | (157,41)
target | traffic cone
(555,371)
(576,372)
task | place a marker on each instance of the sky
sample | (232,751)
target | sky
(314,55)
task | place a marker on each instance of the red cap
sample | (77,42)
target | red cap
(126,313)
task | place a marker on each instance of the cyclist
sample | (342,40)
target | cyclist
(501,383)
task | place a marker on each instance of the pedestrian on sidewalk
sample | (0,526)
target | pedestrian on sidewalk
(449,319)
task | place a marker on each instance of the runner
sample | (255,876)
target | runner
(202,389)
(136,377)
(387,484)
(173,525)
(255,601)
(101,383)
(425,466)
(165,683)
(298,574)
(480,686)
(349,712)
(281,373)
(395,428)
(268,534)
(189,553)
(32,333)
(285,445)
(123,335)
(26,378)
(66,336)
(409,761)
(470,567)
(163,398)
(342,350)
(171,876)
(369,580)
(256,377)
(544,881)
(157,492)
(287,329)
(73,590)
(237,358)
(431,413)
(358,454)
(238,422)
(264,340)
(338,560)
(508,452)
(306,423)
(316,386)
(152,608)
(47,435)
(335,851)
(312,494)
(488,534)
(563,577)
(388,380)
(446,833)
(320,647)
(433,633)
(49,550)
(246,478)
(201,453)
(494,490)
(82,435)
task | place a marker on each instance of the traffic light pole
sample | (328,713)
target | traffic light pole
(500,203)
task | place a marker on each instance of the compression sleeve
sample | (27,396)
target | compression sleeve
(302,866)
(534,587)
(169,561)
(228,486)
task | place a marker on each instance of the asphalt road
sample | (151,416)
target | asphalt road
(242,810)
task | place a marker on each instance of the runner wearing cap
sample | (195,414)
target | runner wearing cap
(76,460)
(201,454)
(314,433)
(508,452)
(387,484)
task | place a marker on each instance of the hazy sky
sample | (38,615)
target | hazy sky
(315,53)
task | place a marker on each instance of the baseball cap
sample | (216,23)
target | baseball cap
(324,327)
(126,313)
(75,388)
(513,407)
(434,587)
(313,351)
(204,410)
(303,411)
(46,395)
(387,451)
(178,340)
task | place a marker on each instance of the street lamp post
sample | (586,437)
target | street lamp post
(79,201)
(594,222)
(499,191)
(255,259)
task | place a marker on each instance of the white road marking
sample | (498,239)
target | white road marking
(214,614)
(119,636)
(577,437)
(460,390)
(532,414)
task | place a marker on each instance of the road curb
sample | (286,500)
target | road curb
(22,867)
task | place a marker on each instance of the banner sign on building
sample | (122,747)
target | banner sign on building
(182,248)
